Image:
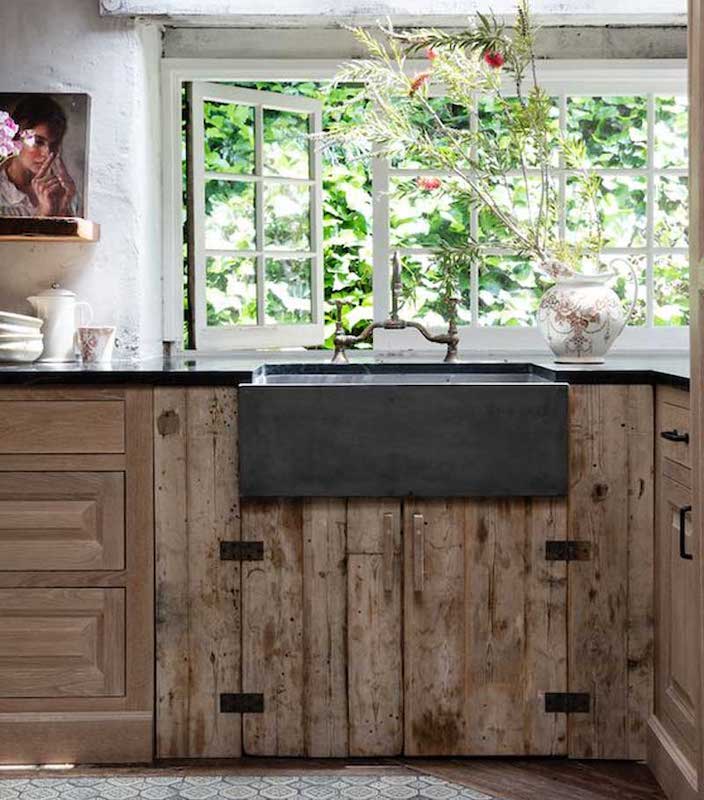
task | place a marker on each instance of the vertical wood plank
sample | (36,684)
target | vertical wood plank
(198,633)
(516,627)
(375,694)
(272,633)
(611,506)
(325,628)
(435,632)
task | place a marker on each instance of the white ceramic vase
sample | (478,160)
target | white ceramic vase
(581,316)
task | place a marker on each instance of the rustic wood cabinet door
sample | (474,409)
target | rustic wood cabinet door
(677,623)
(484,627)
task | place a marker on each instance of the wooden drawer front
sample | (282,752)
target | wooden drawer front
(674,418)
(62,426)
(62,521)
(62,642)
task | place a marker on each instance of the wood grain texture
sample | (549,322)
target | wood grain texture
(62,426)
(198,596)
(325,627)
(62,642)
(272,628)
(375,669)
(62,520)
(485,638)
(66,728)
(611,597)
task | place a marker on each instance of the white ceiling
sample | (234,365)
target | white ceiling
(407,11)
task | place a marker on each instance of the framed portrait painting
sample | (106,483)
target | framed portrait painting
(48,176)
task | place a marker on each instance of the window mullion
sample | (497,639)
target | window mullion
(259,208)
(474,232)
(650,214)
(562,176)
(381,237)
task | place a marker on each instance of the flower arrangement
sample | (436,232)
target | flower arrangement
(486,63)
(11,138)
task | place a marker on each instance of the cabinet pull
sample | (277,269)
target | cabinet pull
(418,553)
(388,553)
(683,544)
(675,436)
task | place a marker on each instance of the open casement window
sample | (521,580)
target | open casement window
(255,249)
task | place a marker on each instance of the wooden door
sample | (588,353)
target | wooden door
(321,627)
(675,726)
(484,627)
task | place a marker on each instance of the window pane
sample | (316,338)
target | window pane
(450,115)
(623,208)
(671,212)
(229,137)
(509,292)
(231,291)
(516,198)
(614,129)
(286,143)
(288,291)
(497,116)
(286,216)
(671,290)
(623,284)
(421,277)
(424,215)
(671,134)
(229,215)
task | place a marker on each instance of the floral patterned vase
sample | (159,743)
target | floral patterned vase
(580,316)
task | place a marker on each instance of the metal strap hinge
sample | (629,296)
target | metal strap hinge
(242,703)
(567,703)
(567,550)
(241,551)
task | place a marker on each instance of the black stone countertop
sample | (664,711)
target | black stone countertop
(238,368)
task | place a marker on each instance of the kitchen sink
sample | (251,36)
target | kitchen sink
(385,430)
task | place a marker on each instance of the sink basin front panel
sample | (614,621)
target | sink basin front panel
(396,441)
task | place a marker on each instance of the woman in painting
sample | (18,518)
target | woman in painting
(35,183)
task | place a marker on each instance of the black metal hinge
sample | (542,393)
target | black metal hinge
(241,551)
(567,703)
(570,550)
(241,703)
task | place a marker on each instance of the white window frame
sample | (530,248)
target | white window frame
(613,77)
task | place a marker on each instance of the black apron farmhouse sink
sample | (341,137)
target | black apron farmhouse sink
(382,433)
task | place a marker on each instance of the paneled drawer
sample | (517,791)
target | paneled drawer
(673,423)
(62,521)
(62,642)
(62,426)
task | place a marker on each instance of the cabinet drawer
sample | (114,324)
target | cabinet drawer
(62,521)
(674,421)
(62,642)
(62,426)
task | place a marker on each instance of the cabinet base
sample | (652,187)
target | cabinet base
(671,768)
(76,738)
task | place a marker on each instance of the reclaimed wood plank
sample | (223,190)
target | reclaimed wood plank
(272,627)
(516,622)
(611,507)
(435,630)
(198,596)
(325,627)
(375,669)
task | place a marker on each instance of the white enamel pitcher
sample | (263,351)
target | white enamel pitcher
(61,314)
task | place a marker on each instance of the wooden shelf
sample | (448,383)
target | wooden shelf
(48,229)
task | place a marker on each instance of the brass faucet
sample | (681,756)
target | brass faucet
(394,323)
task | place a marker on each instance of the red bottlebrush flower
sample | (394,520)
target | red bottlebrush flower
(418,82)
(494,59)
(427,183)
(430,54)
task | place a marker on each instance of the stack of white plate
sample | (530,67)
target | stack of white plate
(20,337)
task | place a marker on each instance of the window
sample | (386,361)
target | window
(258,277)
(256,218)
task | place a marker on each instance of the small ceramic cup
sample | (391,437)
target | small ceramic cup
(96,342)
